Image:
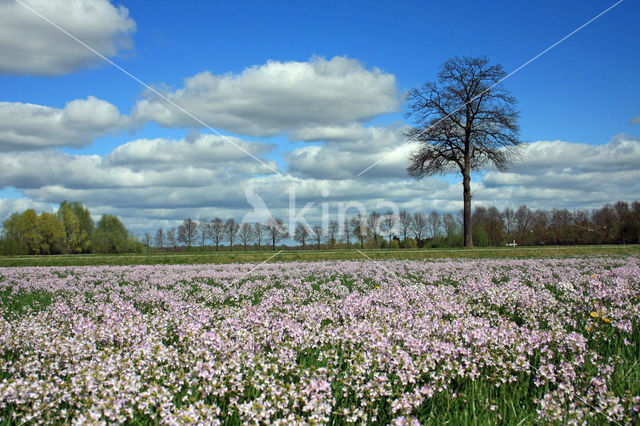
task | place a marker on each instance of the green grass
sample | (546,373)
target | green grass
(317,255)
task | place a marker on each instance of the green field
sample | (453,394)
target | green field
(288,255)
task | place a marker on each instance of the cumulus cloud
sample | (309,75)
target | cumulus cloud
(278,97)
(345,151)
(30,45)
(8,206)
(563,174)
(26,126)
(202,151)
(158,182)
(138,164)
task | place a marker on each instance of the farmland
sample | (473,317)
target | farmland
(464,341)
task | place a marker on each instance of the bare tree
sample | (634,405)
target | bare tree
(187,232)
(160,238)
(204,231)
(524,219)
(231,228)
(245,234)
(419,226)
(373,222)
(494,226)
(359,227)
(258,232)
(216,229)
(346,229)
(465,120)
(388,225)
(147,240)
(509,220)
(450,225)
(302,233)
(332,232)
(434,222)
(277,230)
(405,220)
(318,234)
(171,238)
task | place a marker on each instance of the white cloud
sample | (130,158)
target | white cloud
(152,183)
(138,164)
(203,151)
(564,174)
(30,45)
(347,150)
(278,97)
(9,206)
(635,120)
(26,126)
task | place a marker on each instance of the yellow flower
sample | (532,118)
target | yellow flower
(377,286)
(595,314)
(593,276)
(588,328)
(605,319)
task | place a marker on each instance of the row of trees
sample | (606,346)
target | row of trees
(613,223)
(217,231)
(70,230)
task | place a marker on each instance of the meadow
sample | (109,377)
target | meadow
(463,341)
(200,255)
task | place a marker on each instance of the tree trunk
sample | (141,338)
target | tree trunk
(466,184)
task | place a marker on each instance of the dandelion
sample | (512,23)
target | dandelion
(595,314)
(605,319)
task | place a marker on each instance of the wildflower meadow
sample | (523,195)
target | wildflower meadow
(400,342)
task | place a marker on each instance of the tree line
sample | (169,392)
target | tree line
(617,223)
(70,230)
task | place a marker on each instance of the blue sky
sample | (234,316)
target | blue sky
(584,91)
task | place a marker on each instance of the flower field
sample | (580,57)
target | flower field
(403,342)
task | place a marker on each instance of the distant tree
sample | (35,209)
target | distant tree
(434,223)
(373,223)
(509,216)
(277,230)
(540,223)
(465,120)
(147,240)
(160,238)
(171,238)
(318,234)
(359,227)
(450,225)
(561,224)
(405,220)
(231,228)
(217,231)
(187,232)
(332,232)
(524,220)
(52,234)
(301,233)
(111,236)
(258,232)
(245,234)
(419,227)
(388,225)
(86,225)
(494,226)
(204,231)
(346,229)
(76,240)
